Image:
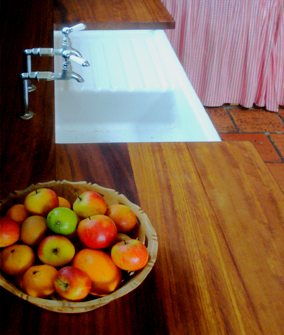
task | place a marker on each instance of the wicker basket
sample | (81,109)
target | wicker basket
(144,232)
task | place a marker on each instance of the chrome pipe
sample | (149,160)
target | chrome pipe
(66,51)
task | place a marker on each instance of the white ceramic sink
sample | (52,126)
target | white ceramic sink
(134,91)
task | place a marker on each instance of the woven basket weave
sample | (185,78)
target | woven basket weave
(144,232)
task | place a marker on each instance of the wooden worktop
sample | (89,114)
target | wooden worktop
(219,216)
(33,139)
(218,213)
(109,14)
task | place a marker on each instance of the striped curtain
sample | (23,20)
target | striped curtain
(231,50)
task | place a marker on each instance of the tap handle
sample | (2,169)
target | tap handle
(77,27)
(79,61)
(67,54)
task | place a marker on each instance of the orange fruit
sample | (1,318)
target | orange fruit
(64,202)
(38,280)
(104,274)
(9,232)
(18,213)
(16,259)
(33,230)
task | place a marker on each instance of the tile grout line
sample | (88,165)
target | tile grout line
(267,134)
(281,118)
(275,147)
(232,119)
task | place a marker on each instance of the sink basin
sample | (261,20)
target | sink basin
(134,91)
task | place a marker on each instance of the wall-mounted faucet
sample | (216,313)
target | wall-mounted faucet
(66,51)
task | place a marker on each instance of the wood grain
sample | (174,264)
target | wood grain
(27,152)
(250,209)
(106,164)
(220,215)
(217,210)
(113,14)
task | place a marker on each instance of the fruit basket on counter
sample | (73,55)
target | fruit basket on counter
(143,231)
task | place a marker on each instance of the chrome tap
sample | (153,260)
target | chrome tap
(67,52)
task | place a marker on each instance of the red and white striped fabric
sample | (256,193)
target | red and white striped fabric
(231,50)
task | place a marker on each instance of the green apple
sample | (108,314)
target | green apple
(56,250)
(62,220)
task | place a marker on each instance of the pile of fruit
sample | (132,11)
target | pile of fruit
(49,246)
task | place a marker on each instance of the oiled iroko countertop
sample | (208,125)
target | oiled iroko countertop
(218,213)
(109,14)
(219,217)
(27,150)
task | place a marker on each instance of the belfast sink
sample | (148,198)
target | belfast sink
(135,90)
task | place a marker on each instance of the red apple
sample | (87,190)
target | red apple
(72,283)
(129,255)
(56,250)
(122,216)
(41,201)
(9,232)
(89,203)
(97,232)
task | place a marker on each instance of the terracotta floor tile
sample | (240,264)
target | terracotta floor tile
(278,140)
(256,120)
(277,171)
(261,143)
(220,119)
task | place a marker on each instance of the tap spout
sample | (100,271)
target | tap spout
(66,51)
(77,77)
(67,75)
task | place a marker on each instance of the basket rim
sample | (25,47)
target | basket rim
(65,306)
